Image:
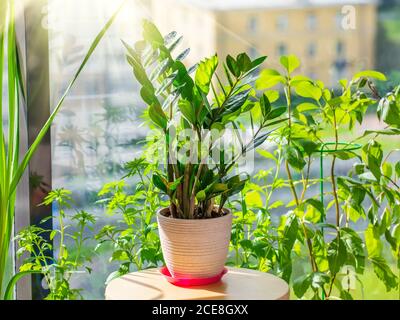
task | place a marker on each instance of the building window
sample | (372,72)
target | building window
(338,20)
(340,48)
(253,52)
(253,24)
(282,23)
(312,75)
(282,49)
(312,21)
(311,49)
(339,70)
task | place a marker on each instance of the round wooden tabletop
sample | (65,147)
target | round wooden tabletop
(237,284)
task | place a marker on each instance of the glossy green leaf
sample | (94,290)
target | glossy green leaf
(268,79)
(235,102)
(244,62)
(396,232)
(384,273)
(290,63)
(275,113)
(255,63)
(233,66)
(253,199)
(158,116)
(317,204)
(294,157)
(267,154)
(307,106)
(370,74)
(372,242)
(337,254)
(308,90)
(201,195)
(187,110)
(151,33)
(265,105)
(301,285)
(272,95)
(389,112)
(204,73)
(160,183)
(373,155)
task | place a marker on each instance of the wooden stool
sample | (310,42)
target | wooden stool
(237,284)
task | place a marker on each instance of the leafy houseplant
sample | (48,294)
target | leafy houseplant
(197,188)
(58,270)
(12,166)
(135,242)
(319,244)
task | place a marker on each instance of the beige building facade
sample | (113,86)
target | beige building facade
(333,38)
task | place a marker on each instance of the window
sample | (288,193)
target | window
(311,50)
(339,70)
(338,20)
(312,74)
(253,24)
(282,23)
(282,49)
(340,48)
(312,22)
(98,124)
(253,52)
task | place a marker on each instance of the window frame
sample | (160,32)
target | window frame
(32,38)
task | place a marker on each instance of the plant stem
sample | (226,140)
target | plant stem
(289,174)
(334,191)
(305,183)
(61,251)
(291,184)
(290,179)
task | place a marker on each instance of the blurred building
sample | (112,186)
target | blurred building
(318,31)
(95,125)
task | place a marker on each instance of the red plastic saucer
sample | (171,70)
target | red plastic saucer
(187,282)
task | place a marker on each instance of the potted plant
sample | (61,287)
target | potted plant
(195,228)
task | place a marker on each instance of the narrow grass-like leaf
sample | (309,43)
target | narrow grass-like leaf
(8,294)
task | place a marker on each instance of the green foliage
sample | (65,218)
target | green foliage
(268,233)
(369,191)
(310,240)
(36,242)
(206,102)
(313,233)
(135,243)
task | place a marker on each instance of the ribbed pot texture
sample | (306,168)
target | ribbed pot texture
(195,248)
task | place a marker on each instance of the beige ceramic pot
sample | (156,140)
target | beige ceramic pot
(195,248)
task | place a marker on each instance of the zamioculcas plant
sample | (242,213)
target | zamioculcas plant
(198,173)
(12,166)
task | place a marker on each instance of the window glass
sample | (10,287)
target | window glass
(282,49)
(338,20)
(98,127)
(311,49)
(253,52)
(312,21)
(340,48)
(253,24)
(282,23)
